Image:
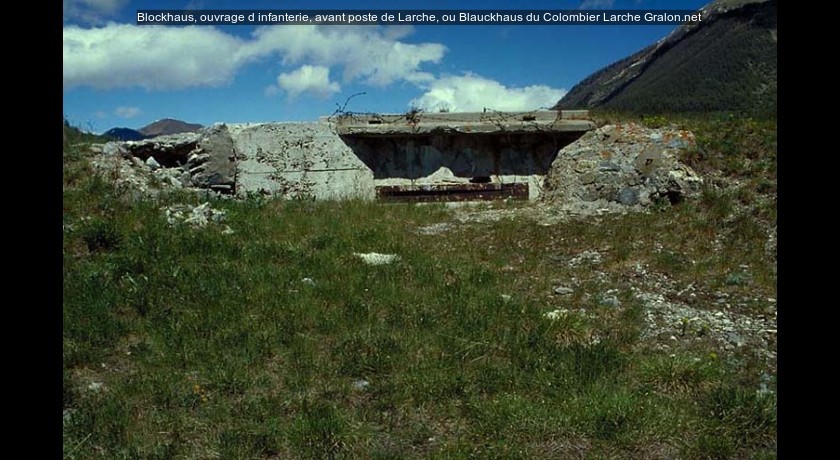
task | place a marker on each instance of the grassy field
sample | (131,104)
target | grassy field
(275,341)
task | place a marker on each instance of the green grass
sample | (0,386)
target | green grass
(211,346)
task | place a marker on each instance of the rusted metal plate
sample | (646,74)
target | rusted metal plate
(452,192)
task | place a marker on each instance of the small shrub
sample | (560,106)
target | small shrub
(101,235)
(654,121)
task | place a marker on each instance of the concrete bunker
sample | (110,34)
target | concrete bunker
(460,156)
(407,157)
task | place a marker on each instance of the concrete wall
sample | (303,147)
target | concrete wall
(311,159)
(298,160)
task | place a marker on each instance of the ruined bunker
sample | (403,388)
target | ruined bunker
(413,156)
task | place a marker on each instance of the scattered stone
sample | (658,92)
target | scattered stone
(585,257)
(67,414)
(735,339)
(563,290)
(152,163)
(360,384)
(114,148)
(95,386)
(205,159)
(434,229)
(139,163)
(556,314)
(172,149)
(628,196)
(375,258)
(505,297)
(308,281)
(763,386)
(610,301)
(727,329)
(196,216)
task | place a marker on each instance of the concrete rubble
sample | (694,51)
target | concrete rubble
(202,160)
(194,216)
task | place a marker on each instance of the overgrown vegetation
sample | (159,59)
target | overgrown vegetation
(192,343)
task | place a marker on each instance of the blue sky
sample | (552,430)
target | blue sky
(120,74)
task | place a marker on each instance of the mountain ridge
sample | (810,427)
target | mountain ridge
(162,127)
(727,62)
(168,126)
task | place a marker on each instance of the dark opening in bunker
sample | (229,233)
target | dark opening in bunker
(460,156)
(453,192)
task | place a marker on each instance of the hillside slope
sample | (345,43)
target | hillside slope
(726,63)
(168,126)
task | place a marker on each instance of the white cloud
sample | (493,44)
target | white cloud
(160,57)
(468,93)
(151,57)
(126,112)
(369,53)
(596,4)
(91,10)
(166,58)
(313,79)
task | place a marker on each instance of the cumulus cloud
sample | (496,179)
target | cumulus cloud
(159,57)
(167,58)
(596,4)
(313,79)
(91,10)
(150,57)
(468,93)
(126,112)
(369,53)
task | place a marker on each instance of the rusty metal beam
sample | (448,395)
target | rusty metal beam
(452,192)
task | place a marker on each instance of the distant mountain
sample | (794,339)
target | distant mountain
(727,62)
(124,134)
(168,126)
(73,135)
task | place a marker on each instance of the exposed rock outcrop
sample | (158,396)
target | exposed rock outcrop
(627,164)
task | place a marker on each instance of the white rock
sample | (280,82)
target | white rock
(563,290)
(555,314)
(375,258)
(113,148)
(152,163)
